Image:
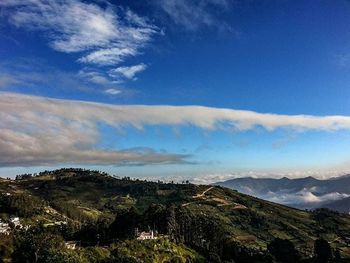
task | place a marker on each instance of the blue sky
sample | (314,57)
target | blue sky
(285,64)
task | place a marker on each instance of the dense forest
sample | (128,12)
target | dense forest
(76,215)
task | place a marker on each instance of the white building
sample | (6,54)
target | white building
(71,244)
(146,235)
(4,228)
(15,221)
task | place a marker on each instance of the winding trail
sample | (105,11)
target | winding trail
(203,193)
(198,196)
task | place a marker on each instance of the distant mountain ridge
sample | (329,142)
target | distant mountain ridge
(307,192)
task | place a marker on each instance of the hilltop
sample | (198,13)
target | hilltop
(194,223)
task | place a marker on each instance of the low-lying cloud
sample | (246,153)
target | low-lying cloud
(37,130)
(303,197)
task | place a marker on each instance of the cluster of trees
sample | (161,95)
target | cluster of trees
(23,205)
(47,245)
(24,176)
(61,172)
(198,231)
(326,219)
(284,251)
(44,247)
(79,172)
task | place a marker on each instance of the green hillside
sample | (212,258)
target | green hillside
(101,213)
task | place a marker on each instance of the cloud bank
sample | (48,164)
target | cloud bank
(33,132)
(305,197)
(38,130)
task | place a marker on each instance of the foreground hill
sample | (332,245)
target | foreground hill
(102,213)
(305,192)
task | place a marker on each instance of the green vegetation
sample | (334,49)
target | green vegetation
(161,250)
(193,223)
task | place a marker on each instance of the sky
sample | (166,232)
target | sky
(201,90)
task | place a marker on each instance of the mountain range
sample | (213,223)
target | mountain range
(304,193)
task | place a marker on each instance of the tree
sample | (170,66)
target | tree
(322,251)
(283,250)
(337,255)
(124,224)
(35,248)
(156,218)
(6,246)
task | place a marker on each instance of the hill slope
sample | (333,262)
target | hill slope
(214,221)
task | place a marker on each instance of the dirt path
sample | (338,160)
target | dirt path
(235,205)
(198,196)
(203,193)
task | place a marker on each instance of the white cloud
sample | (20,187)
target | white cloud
(213,178)
(106,36)
(194,14)
(43,136)
(112,91)
(127,72)
(200,116)
(342,59)
(305,196)
(7,80)
(31,76)
(37,130)
(96,77)
(109,56)
(90,80)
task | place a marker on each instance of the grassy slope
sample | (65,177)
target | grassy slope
(251,221)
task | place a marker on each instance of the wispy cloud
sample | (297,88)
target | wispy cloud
(284,140)
(112,91)
(342,59)
(31,77)
(7,80)
(109,56)
(193,15)
(102,35)
(106,36)
(96,77)
(37,130)
(127,72)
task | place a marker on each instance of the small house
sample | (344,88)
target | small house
(4,228)
(15,221)
(71,244)
(146,235)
